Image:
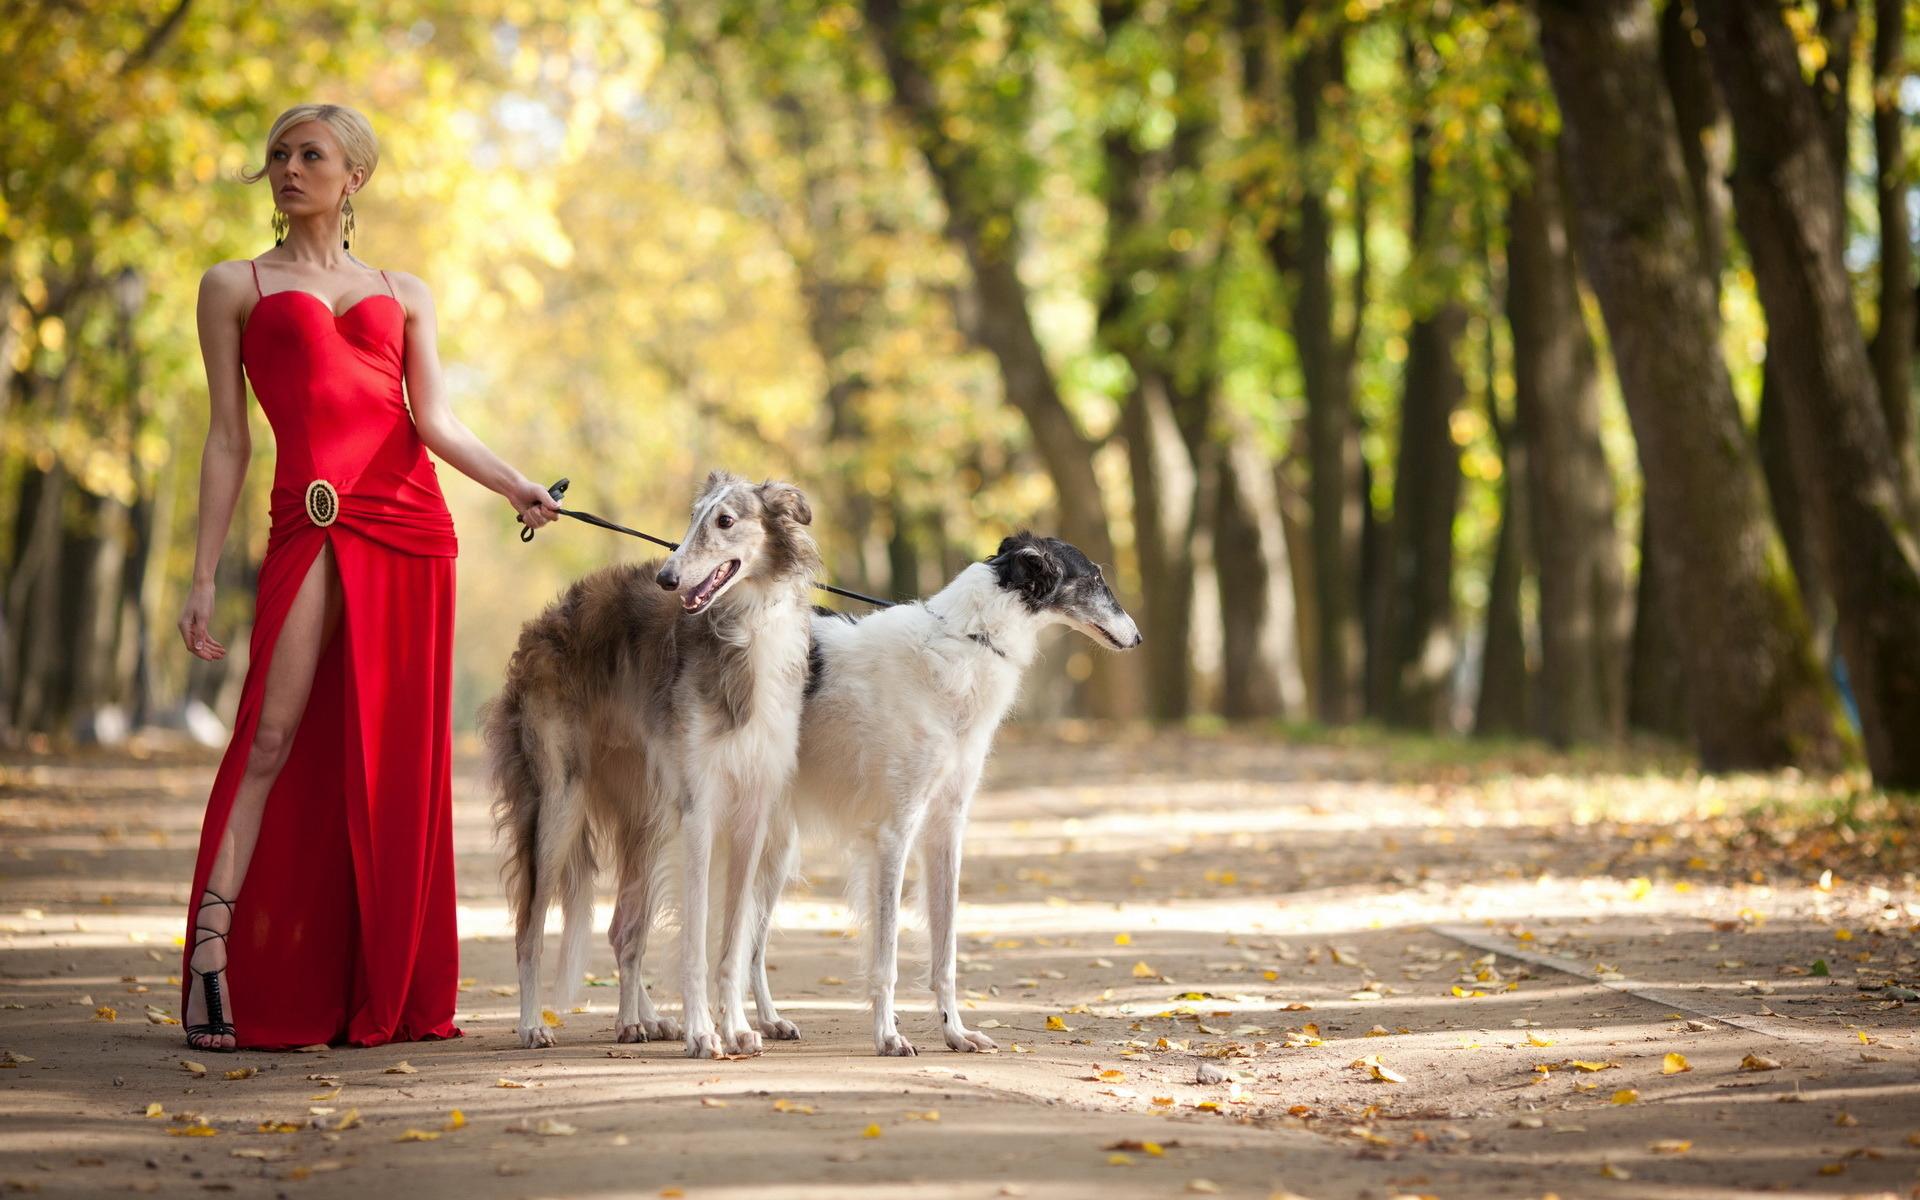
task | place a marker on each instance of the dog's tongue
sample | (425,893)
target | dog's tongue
(693,600)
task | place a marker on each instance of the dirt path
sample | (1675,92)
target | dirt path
(1414,977)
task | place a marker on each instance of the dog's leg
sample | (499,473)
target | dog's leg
(638,1021)
(561,814)
(891,844)
(776,867)
(940,860)
(696,841)
(739,934)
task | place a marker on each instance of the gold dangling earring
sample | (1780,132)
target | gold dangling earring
(346,210)
(280,226)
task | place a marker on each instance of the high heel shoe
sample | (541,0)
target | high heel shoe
(216,1024)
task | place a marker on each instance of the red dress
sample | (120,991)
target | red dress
(344,926)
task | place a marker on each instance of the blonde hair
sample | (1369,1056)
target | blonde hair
(357,142)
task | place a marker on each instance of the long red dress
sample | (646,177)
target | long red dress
(343,928)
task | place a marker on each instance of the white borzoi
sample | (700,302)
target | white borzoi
(649,700)
(900,715)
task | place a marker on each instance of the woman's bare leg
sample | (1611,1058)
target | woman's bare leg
(309,626)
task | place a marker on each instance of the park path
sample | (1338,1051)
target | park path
(1505,975)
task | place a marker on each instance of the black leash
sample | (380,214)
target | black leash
(559,489)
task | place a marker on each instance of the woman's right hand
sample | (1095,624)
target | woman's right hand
(193,624)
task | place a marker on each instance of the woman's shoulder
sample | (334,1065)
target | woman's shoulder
(228,274)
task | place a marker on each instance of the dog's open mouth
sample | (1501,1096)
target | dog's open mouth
(703,595)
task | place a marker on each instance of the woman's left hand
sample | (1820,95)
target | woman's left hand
(533,502)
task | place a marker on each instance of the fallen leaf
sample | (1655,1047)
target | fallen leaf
(1609,1171)
(712,1102)
(544,1127)
(1204,1187)
(792,1106)
(402,1068)
(197,1070)
(1674,1064)
(197,1129)
(348,1120)
(1671,1146)
(1534,1039)
(1584,1065)
(1123,939)
(105,1012)
(455,1120)
(1058,1025)
(1142,971)
(242,1073)
(550,1018)
(508,1083)
(1626,1096)
(1756,1062)
(154,1110)
(418,1135)
(872,1131)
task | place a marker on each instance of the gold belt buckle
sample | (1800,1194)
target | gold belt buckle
(323,503)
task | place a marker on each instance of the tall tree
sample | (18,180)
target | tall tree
(1002,314)
(1302,252)
(1893,339)
(1862,499)
(1756,694)
(1556,385)
(1415,647)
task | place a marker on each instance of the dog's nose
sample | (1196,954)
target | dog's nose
(668,578)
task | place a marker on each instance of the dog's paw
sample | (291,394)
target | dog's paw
(643,1030)
(704,1045)
(893,1046)
(967,1041)
(780,1030)
(744,1041)
(535,1037)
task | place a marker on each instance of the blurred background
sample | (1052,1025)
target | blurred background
(1474,368)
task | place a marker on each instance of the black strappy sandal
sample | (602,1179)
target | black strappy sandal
(216,1024)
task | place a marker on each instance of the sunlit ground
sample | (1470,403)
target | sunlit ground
(1406,968)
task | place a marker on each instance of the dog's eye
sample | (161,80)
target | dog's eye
(726,522)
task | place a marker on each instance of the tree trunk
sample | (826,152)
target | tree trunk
(1418,598)
(1260,667)
(1570,499)
(1756,694)
(1002,323)
(1505,686)
(1657,691)
(1336,499)
(1893,339)
(1164,483)
(1705,138)
(1864,506)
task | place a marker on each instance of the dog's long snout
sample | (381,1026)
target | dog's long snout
(668,578)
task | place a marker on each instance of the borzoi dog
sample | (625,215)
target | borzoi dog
(900,715)
(650,699)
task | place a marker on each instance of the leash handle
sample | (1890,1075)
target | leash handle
(558,490)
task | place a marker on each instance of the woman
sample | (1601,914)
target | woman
(322,905)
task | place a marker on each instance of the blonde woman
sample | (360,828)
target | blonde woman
(322,907)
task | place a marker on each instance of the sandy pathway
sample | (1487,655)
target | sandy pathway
(1133,910)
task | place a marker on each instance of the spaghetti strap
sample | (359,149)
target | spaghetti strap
(389,283)
(256,279)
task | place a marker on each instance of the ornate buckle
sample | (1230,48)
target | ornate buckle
(323,503)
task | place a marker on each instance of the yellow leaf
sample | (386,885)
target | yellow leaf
(418,1135)
(1534,1039)
(1862,1035)
(1142,971)
(243,1073)
(508,1083)
(455,1120)
(932,1114)
(1119,1160)
(1123,939)
(1626,1096)
(1163,1101)
(1843,935)
(1671,1146)
(1756,1062)
(154,1110)
(712,1102)
(872,1131)
(193,1068)
(1154,1148)
(105,1013)
(198,1129)
(671,1192)
(1674,1064)
(1055,1023)
(1113,1074)
(550,1018)
(1583,1065)
(1833,1168)
(1612,1172)
(348,1120)
(403,1068)
(1203,1187)
(790,1106)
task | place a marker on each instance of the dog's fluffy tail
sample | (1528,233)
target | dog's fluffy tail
(516,800)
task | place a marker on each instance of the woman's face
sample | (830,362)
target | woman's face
(308,170)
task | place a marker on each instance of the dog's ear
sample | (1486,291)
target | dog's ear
(786,500)
(1025,565)
(715,481)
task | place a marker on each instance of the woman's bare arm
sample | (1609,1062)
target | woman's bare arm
(445,434)
(228,449)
